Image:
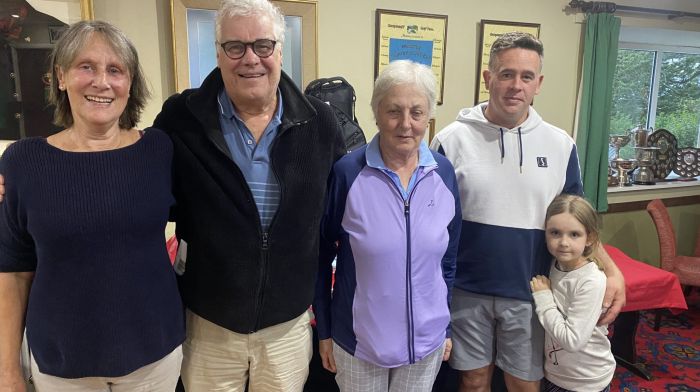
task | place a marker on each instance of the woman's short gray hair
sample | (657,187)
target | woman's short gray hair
(232,8)
(69,46)
(405,72)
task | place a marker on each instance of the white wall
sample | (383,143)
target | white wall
(67,11)
(349,33)
(147,24)
(346,45)
(346,48)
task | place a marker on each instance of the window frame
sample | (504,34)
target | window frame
(657,40)
(658,50)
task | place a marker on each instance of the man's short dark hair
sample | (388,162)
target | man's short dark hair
(513,40)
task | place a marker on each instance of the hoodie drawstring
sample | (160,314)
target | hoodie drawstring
(520,147)
(503,147)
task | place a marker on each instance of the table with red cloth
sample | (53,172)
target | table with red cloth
(646,287)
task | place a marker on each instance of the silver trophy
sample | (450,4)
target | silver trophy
(623,168)
(618,168)
(617,142)
(646,156)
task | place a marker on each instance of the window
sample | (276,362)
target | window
(657,85)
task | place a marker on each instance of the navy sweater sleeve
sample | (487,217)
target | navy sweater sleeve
(17,253)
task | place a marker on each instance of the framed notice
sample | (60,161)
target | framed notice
(490,31)
(411,36)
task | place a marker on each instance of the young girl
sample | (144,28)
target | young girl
(578,356)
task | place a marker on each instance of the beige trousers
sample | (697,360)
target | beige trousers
(274,359)
(159,376)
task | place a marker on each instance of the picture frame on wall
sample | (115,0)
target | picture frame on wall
(401,35)
(490,31)
(431,130)
(55,33)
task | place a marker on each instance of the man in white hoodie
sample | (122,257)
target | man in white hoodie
(510,165)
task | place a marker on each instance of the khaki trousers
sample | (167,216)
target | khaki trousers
(159,376)
(270,360)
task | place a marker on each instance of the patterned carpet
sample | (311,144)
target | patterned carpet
(671,355)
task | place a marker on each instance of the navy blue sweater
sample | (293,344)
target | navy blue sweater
(104,299)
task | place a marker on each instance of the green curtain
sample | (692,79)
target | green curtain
(599,61)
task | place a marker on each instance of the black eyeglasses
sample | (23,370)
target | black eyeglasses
(261,47)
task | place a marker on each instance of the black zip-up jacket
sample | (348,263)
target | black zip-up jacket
(236,276)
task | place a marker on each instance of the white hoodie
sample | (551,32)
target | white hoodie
(507,178)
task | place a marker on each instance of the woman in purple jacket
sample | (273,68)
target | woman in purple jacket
(392,221)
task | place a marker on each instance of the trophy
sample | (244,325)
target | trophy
(646,156)
(619,168)
(617,142)
(623,168)
(639,135)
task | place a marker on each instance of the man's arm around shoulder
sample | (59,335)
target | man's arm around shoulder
(614,298)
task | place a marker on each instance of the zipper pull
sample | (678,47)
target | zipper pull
(264,240)
(406,207)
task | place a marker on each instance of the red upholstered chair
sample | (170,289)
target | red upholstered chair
(687,268)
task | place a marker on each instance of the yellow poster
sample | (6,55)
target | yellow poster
(411,36)
(490,31)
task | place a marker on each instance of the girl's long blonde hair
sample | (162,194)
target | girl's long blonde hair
(582,210)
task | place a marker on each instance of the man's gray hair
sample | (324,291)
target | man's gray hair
(401,73)
(257,8)
(513,40)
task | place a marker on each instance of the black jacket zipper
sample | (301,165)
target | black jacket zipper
(265,235)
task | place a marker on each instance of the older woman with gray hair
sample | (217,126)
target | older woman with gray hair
(392,221)
(82,253)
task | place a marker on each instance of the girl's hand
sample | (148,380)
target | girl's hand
(448,349)
(539,283)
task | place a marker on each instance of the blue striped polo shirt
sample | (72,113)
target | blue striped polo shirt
(253,158)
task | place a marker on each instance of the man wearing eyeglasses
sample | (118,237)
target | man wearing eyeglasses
(252,156)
